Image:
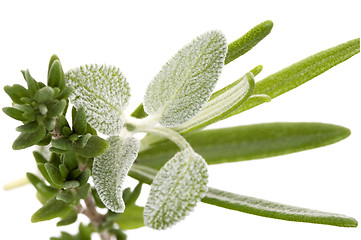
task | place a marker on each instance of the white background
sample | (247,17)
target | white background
(139,37)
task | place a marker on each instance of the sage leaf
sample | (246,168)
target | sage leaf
(103,92)
(176,189)
(248,41)
(270,209)
(248,142)
(301,72)
(110,170)
(221,104)
(186,82)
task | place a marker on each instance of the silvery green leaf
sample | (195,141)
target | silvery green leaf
(221,104)
(186,82)
(103,92)
(111,168)
(179,185)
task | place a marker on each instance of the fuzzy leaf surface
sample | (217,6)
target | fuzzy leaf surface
(186,82)
(103,92)
(110,170)
(179,185)
(221,104)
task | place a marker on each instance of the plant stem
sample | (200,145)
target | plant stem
(94,216)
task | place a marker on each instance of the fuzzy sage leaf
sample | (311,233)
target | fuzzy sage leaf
(103,92)
(110,170)
(221,104)
(179,185)
(186,82)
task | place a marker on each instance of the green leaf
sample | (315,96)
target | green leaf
(83,140)
(255,206)
(134,195)
(95,147)
(45,174)
(186,82)
(248,41)
(98,201)
(110,170)
(80,123)
(26,140)
(64,171)
(269,209)
(14,113)
(132,218)
(65,196)
(70,184)
(39,158)
(49,123)
(248,142)
(118,234)
(69,219)
(56,75)
(16,92)
(54,173)
(83,191)
(57,108)
(139,112)
(51,209)
(29,127)
(62,143)
(83,177)
(46,191)
(103,92)
(176,189)
(44,95)
(221,104)
(301,72)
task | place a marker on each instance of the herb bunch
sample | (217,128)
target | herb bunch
(173,156)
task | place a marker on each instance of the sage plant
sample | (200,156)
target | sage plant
(173,155)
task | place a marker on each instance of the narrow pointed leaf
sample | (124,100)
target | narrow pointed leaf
(248,41)
(221,104)
(46,191)
(32,84)
(103,92)
(270,209)
(51,209)
(110,170)
(176,189)
(186,82)
(301,72)
(256,206)
(248,142)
